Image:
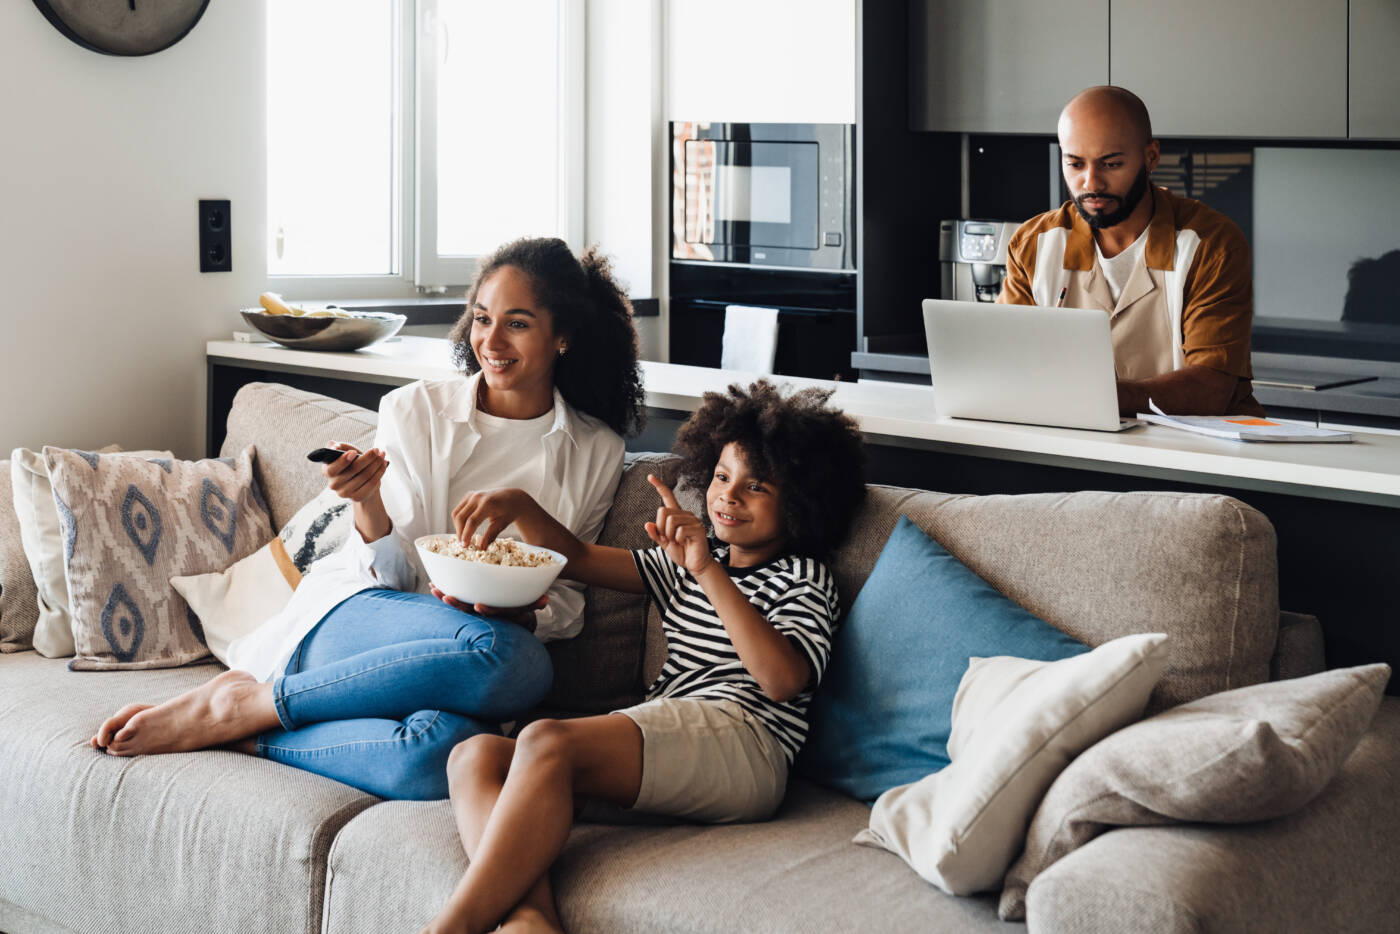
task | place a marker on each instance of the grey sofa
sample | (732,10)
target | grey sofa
(217,841)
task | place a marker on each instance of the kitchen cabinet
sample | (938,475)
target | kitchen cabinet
(1375,79)
(1248,68)
(1003,67)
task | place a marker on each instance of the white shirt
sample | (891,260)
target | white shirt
(1118,269)
(572,470)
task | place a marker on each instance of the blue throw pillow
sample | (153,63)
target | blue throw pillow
(884,711)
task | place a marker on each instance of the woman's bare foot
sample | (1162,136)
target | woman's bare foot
(230,706)
(115,722)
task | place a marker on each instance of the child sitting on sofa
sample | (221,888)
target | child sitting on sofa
(749,620)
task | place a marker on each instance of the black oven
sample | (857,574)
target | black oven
(779,195)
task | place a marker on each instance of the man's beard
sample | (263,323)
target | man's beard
(1126,204)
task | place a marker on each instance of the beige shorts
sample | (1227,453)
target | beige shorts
(707,759)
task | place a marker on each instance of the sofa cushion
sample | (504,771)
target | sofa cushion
(1016,724)
(883,716)
(284,424)
(794,874)
(601,669)
(19,607)
(131,523)
(210,841)
(1252,754)
(1201,568)
(1329,866)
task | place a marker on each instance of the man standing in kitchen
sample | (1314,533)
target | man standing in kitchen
(1172,274)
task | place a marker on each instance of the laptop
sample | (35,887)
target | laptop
(1023,363)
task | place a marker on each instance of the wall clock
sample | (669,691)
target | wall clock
(123,27)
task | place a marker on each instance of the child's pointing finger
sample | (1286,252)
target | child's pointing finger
(667,496)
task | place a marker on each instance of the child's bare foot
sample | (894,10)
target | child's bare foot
(229,707)
(526,919)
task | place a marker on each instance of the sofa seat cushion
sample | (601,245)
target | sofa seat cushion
(205,841)
(796,873)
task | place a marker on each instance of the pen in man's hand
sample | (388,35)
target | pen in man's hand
(1060,302)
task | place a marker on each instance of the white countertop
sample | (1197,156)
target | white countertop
(1367,470)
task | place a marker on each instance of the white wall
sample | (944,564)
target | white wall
(103,162)
(761,61)
(623,111)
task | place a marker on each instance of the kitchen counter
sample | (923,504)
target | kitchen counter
(902,415)
(1373,401)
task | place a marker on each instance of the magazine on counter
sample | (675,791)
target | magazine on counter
(1244,427)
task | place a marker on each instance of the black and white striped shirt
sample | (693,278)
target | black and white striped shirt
(797,595)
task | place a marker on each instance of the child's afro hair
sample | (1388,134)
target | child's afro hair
(812,452)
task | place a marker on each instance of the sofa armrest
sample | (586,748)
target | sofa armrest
(1328,867)
(1298,652)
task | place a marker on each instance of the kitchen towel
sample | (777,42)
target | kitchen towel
(750,338)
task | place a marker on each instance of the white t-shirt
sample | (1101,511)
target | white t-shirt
(510,453)
(1118,270)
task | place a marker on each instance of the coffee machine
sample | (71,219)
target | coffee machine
(972,257)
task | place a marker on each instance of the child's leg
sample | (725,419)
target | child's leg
(476,772)
(513,841)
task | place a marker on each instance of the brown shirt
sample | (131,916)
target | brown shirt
(1190,302)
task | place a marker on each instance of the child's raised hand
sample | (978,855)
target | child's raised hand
(679,531)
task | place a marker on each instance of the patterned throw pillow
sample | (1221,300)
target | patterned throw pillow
(232,603)
(43,546)
(129,525)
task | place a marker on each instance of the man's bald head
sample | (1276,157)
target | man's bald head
(1109,104)
(1108,155)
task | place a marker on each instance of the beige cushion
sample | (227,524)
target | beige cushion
(1246,755)
(284,424)
(233,602)
(394,865)
(1102,565)
(43,546)
(18,607)
(1327,867)
(1016,724)
(602,668)
(207,842)
(129,525)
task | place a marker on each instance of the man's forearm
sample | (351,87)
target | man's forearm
(1191,390)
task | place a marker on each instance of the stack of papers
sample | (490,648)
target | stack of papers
(1244,427)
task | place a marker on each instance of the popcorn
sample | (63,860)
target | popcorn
(503,551)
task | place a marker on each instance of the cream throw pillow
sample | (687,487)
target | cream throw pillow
(1251,754)
(42,541)
(1016,724)
(234,602)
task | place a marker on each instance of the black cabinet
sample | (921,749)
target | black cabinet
(816,316)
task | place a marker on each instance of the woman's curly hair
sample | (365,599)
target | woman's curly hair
(813,453)
(599,375)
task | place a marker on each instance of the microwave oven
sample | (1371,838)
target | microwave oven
(777,195)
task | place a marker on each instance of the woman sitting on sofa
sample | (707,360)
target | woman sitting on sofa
(367,678)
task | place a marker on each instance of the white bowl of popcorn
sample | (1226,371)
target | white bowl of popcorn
(507,573)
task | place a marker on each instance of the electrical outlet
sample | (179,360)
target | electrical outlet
(215,237)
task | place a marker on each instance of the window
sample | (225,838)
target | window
(407,138)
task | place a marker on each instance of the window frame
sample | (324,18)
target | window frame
(417,269)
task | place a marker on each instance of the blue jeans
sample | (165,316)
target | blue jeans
(388,682)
